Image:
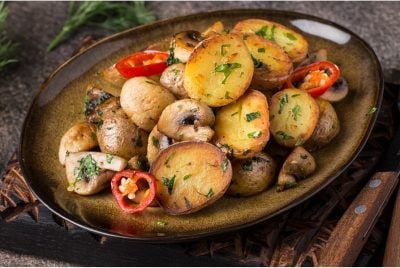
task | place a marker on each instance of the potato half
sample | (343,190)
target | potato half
(294,44)
(294,116)
(242,127)
(190,176)
(272,65)
(219,70)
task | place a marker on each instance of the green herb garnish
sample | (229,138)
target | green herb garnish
(187,176)
(171,58)
(8,49)
(295,111)
(295,95)
(193,110)
(176,72)
(224,165)
(227,69)
(251,116)
(372,111)
(162,223)
(254,135)
(155,142)
(169,183)
(282,102)
(87,168)
(257,62)
(113,16)
(235,113)
(210,193)
(264,32)
(109,158)
(223,49)
(227,95)
(283,136)
(261,50)
(290,36)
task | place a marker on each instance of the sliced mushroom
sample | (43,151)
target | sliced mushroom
(172,79)
(298,165)
(187,119)
(337,92)
(80,137)
(90,172)
(184,43)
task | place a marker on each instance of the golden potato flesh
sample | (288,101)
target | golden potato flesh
(252,176)
(143,100)
(219,70)
(293,43)
(243,126)
(294,116)
(272,64)
(190,176)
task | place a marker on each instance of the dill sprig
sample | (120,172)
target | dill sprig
(113,16)
(8,49)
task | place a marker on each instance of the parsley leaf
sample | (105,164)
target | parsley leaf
(261,50)
(295,112)
(257,63)
(372,111)
(223,49)
(224,165)
(169,183)
(264,32)
(87,168)
(210,193)
(290,36)
(109,158)
(227,69)
(187,176)
(171,58)
(155,142)
(283,136)
(282,102)
(254,135)
(251,116)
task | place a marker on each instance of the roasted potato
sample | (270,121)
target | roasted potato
(292,42)
(143,100)
(219,70)
(187,119)
(190,176)
(272,65)
(120,136)
(215,29)
(252,176)
(90,172)
(327,128)
(298,165)
(80,137)
(157,142)
(294,116)
(172,79)
(242,127)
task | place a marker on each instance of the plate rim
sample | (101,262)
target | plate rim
(175,238)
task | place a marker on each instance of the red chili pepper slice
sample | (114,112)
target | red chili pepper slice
(316,78)
(126,184)
(144,63)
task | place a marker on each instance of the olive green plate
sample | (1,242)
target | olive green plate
(59,105)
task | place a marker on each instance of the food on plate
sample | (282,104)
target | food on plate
(294,116)
(242,127)
(298,165)
(190,175)
(219,70)
(253,175)
(189,106)
(143,100)
(187,120)
(294,44)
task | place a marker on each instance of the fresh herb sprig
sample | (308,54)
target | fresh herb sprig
(8,49)
(113,16)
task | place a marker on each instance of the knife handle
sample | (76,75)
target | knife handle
(352,231)
(392,251)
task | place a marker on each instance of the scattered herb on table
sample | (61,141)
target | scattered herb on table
(113,16)
(8,49)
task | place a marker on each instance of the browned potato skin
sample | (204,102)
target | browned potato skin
(216,28)
(209,169)
(172,79)
(252,176)
(120,136)
(276,65)
(298,165)
(296,129)
(143,100)
(328,127)
(296,49)
(232,128)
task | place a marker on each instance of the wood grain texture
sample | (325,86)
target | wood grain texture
(392,251)
(353,229)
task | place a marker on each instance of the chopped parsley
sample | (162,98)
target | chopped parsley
(162,223)
(295,112)
(227,69)
(299,142)
(169,183)
(295,95)
(248,165)
(257,62)
(282,102)
(187,176)
(283,136)
(155,142)
(109,158)
(224,165)
(171,58)
(227,95)
(290,36)
(261,50)
(193,110)
(210,193)
(251,116)
(223,49)
(267,33)
(100,124)
(235,113)
(372,111)
(254,135)
(176,72)
(87,168)
(169,158)
(91,104)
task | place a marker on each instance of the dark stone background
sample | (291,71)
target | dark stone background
(34,24)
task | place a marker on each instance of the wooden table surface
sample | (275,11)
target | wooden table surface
(34,24)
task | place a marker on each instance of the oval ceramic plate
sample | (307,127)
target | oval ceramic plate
(59,105)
